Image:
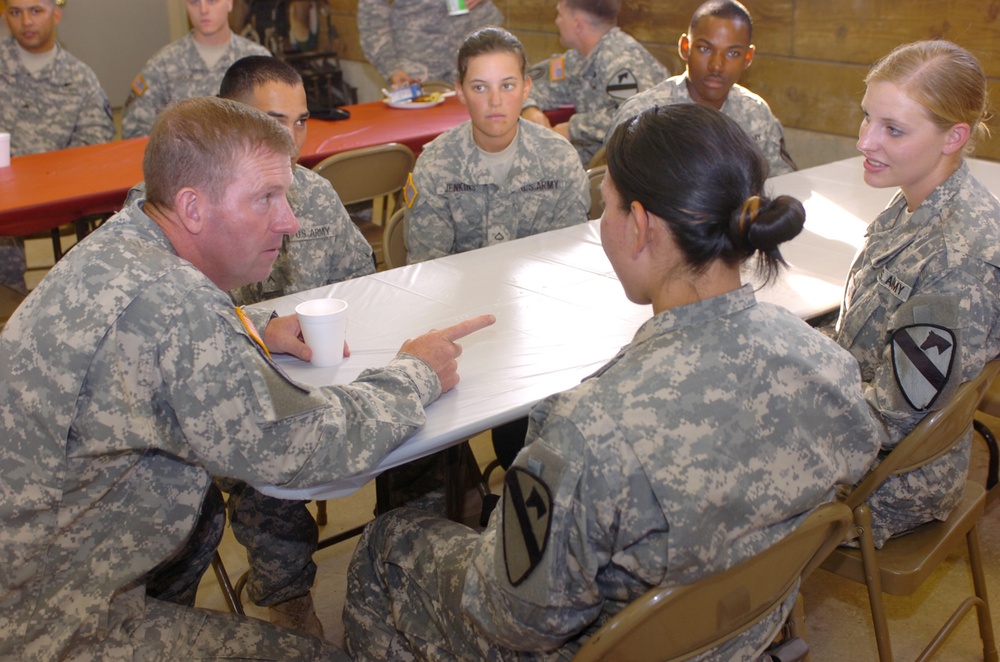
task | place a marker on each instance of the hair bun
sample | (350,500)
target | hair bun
(769,223)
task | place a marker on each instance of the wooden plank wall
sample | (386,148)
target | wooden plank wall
(812,55)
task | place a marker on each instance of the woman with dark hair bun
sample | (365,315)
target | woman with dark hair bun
(707,439)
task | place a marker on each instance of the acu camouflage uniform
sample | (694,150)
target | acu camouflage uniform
(281,535)
(743,106)
(706,440)
(63,106)
(177,72)
(922,294)
(418,36)
(597,85)
(459,207)
(129,382)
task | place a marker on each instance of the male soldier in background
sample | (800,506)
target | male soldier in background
(51,101)
(192,66)
(131,380)
(602,68)
(410,40)
(718,48)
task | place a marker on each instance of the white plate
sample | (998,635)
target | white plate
(412,105)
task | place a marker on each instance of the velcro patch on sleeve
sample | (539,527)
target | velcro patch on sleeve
(139,86)
(922,359)
(527,520)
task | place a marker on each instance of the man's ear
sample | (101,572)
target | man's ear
(188,203)
(684,46)
(748,57)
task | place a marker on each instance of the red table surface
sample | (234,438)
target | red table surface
(39,192)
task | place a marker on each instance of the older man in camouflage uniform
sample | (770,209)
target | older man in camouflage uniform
(130,380)
(281,536)
(719,30)
(921,315)
(706,440)
(409,40)
(192,66)
(51,101)
(602,69)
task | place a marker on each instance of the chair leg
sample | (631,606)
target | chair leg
(979,582)
(873,582)
(321,512)
(230,595)
(993,474)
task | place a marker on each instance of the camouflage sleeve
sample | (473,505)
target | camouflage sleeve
(945,335)
(430,230)
(778,158)
(95,124)
(375,31)
(545,92)
(534,597)
(146,97)
(243,418)
(574,204)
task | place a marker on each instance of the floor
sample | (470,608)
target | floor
(837,615)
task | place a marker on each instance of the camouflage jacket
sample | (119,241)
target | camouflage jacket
(921,315)
(617,68)
(177,72)
(418,36)
(129,381)
(458,207)
(706,440)
(64,106)
(745,108)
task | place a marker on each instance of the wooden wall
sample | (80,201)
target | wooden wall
(812,55)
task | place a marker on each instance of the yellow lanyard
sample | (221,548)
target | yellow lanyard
(252,330)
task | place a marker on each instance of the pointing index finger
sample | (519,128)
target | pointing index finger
(465,327)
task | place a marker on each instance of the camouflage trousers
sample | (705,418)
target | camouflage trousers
(12,263)
(404,593)
(144,628)
(280,537)
(158,622)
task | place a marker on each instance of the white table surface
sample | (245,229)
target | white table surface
(561,312)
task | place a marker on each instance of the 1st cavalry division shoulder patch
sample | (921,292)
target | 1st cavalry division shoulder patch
(922,359)
(527,518)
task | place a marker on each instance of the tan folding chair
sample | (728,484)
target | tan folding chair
(369,173)
(903,563)
(437,86)
(991,407)
(10,299)
(598,159)
(394,241)
(680,621)
(596,199)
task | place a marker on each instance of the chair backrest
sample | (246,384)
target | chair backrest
(598,159)
(394,240)
(596,199)
(437,86)
(10,299)
(367,173)
(677,622)
(934,435)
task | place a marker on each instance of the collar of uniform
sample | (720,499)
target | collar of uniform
(697,313)
(886,237)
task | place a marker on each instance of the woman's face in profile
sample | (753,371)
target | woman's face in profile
(901,145)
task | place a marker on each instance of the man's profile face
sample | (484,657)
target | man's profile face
(243,230)
(717,52)
(209,17)
(285,103)
(33,23)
